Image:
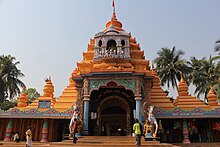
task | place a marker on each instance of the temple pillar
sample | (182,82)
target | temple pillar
(138,106)
(86,99)
(138,99)
(86,115)
(44,137)
(185,132)
(8,132)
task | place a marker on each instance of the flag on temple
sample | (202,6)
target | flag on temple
(113,4)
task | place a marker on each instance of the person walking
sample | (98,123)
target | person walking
(29,137)
(137,131)
(75,130)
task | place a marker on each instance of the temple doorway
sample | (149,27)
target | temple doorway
(114,117)
(111,111)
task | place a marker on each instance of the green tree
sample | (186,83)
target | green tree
(170,66)
(216,87)
(9,77)
(217,46)
(32,94)
(7,104)
(205,73)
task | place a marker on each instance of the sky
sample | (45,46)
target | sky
(48,37)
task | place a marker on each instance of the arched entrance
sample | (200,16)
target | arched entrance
(114,116)
(111,111)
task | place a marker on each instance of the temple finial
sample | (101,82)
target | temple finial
(113,14)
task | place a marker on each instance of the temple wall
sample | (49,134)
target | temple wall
(56,130)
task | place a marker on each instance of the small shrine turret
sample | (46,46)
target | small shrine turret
(185,100)
(47,100)
(22,100)
(212,97)
(182,88)
(48,88)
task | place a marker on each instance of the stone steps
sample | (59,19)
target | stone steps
(110,140)
(93,141)
(60,144)
(107,141)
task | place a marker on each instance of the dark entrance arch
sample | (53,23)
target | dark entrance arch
(111,111)
(114,115)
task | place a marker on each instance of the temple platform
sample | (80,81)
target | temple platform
(70,144)
(93,141)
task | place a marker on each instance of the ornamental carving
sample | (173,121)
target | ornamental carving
(93,84)
(127,83)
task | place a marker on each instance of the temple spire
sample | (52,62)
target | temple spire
(113,23)
(113,14)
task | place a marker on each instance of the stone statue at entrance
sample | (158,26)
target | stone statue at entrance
(151,126)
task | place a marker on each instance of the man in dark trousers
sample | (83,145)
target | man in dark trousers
(137,130)
(75,130)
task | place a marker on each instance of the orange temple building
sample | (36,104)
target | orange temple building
(113,84)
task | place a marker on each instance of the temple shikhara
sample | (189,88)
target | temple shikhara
(111,86)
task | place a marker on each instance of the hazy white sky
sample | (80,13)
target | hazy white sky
(49,36)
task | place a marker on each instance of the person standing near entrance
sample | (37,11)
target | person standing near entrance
(29,137)
(16,137)
(75,130)
(137,131)
(108,129)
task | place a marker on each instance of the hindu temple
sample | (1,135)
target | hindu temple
(111,86)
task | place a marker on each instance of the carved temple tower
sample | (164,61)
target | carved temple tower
(113,80)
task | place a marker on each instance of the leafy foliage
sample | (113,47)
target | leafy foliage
(216,89)
(205,73)
(9,77)
(7,104)
(32,94)
(170,66)
(217,46)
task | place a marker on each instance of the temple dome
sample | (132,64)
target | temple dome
(113,23)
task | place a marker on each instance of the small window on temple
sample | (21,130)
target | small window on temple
(100,43)
(111,45)
(122,42)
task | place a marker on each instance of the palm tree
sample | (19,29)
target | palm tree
(216,89)
(217,46)
(9,77)
(170,66)
(205,73)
